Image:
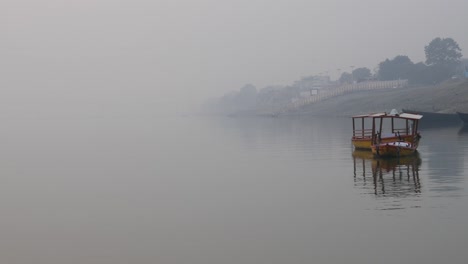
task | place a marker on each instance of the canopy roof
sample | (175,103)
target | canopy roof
(385,115)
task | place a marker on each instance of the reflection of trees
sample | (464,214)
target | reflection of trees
(394,177)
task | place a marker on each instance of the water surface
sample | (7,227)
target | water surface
(226,190)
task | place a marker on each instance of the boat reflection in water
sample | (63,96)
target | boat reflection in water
(396,177)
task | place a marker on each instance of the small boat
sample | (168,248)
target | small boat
(433,119)
(399,147)
(394,149)
(365,130)
(463,117)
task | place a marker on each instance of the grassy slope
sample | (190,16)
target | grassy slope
(447,97)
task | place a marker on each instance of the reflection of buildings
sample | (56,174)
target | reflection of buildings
(397,177)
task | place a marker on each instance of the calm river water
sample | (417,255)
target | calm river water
(204,190)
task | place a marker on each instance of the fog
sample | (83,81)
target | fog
(141,56)
(91,174)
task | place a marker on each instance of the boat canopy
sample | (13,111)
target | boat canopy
(402,115)
(410,116)
(370,115)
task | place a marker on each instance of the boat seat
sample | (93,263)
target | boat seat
(400,144)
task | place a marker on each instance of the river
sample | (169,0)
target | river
(204,190)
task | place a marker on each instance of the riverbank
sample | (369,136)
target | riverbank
(448,97)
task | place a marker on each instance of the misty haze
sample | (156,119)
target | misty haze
(234,131)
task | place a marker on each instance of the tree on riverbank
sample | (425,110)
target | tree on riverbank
(346,77)
(443,52)
(361,74)
(397,68)
(443,57)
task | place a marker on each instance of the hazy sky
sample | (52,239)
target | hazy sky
(160,54)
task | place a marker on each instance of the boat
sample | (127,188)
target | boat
(394,149)
(463,117)
(434,119)
(365,131)
(400,147)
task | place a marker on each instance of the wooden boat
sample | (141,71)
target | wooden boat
(433,119)
(399,147)
(463,117)
(364,130)
(394,149)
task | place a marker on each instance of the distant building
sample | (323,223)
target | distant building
(308,93)
(312,82)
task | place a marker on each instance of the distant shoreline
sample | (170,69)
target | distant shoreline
(448,97)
